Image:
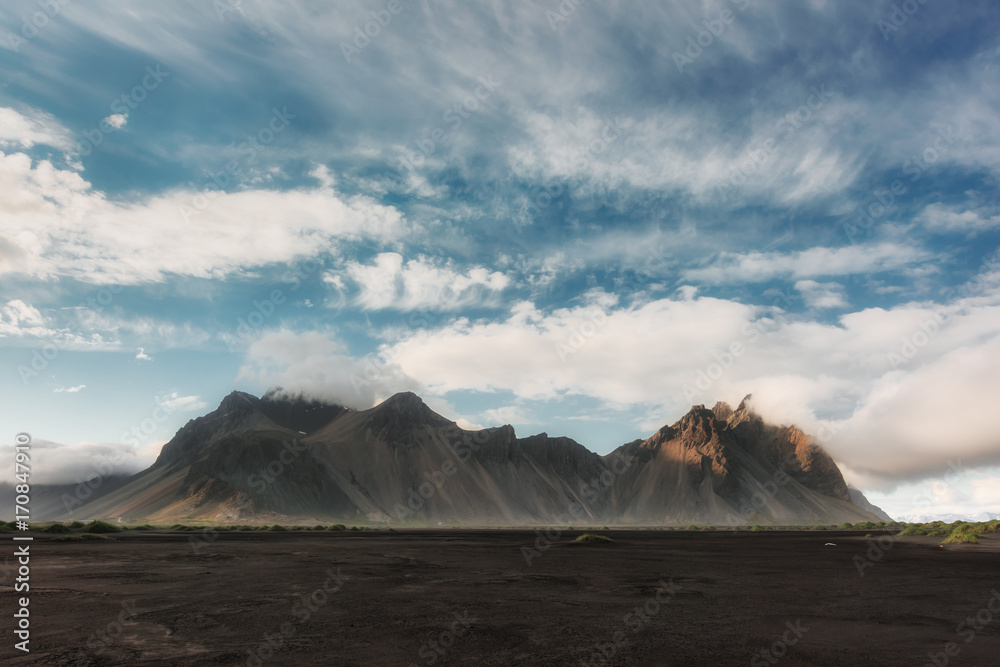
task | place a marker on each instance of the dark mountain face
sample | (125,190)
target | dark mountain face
(296,412)
(280,456)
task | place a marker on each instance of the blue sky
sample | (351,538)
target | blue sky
(580,218)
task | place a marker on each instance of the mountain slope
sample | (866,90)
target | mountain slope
(721,466)
(275,456)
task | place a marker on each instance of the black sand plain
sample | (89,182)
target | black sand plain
(469,597)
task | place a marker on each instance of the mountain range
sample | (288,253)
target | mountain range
(287,458)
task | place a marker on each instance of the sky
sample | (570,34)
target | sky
(574,217)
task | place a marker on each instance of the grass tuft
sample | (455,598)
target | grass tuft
(959,537)
(591,537)
(85,537)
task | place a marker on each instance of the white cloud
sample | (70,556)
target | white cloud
(730,267)
(117,120)
(24,130)
(53,224)
(55,463)
(957,219)
(175,401)
(389,282)
(684,149)
(70,390)
(23,324)
(822,295)
(507,414)
(17,313)
(316,364)
(141,354)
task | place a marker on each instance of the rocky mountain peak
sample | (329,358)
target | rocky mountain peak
(722,411)
(397,416)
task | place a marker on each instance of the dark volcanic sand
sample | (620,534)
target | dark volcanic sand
(404,589)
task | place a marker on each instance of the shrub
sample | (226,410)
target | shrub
(756,528)
(959,537)
(76,524)
(144,526)
(97,526)
(692,527)
(319,527)
(277,527)
(81,538)
(591,537)
(337,526)
(57,528)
